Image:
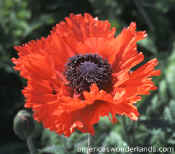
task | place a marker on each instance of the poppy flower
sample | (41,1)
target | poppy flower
(81,72)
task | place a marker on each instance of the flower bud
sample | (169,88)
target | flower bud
(23,124)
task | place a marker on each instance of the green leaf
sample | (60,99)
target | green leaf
(172,108)
(163,91)
(158,137)
(52,149)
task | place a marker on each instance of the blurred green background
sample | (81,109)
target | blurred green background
(24,20)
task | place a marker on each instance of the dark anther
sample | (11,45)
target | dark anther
(83,70)
(54,91)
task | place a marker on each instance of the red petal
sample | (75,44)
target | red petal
(126,46)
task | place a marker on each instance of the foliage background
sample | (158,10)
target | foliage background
(24,20)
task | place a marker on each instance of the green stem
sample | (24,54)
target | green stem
(31,146)
(89,144)
(127,135)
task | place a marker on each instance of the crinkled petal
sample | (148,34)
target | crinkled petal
(52,48)
(79,28)
(83,114)
(84,33)
(137,83)
(126,48)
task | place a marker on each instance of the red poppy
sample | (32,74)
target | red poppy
(82,72)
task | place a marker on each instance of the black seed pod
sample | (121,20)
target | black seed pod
(83,70)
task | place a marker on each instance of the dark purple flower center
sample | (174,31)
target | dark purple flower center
(83,70)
